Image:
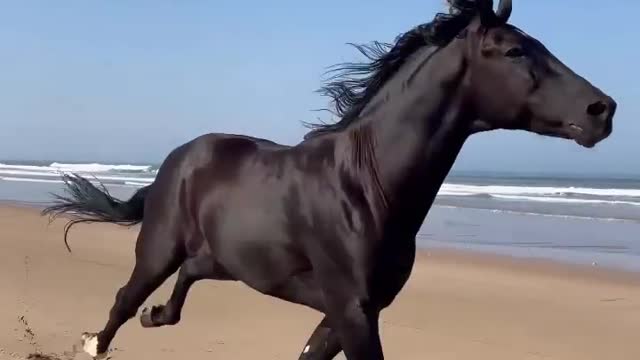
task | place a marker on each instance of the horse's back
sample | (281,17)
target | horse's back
(213,154)
(233,193)
(200,170)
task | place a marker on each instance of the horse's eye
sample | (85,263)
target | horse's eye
(514,52)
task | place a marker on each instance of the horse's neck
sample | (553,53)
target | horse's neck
(417,134)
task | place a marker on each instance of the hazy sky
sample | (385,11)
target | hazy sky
(129,80)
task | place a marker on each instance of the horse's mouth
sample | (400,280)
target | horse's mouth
(576,128)
(582,137)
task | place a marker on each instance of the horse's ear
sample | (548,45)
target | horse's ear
(499,17)
(485,10)
(504,10)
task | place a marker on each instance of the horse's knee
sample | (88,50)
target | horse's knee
(359,312)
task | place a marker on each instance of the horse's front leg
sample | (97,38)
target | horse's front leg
(356,325)
(350,308)
(323,343)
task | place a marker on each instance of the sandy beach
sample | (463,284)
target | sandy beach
(455,306)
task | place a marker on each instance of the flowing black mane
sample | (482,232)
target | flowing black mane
(354,84)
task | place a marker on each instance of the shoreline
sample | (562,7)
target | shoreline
(530,265)
(512,262)
(598,235)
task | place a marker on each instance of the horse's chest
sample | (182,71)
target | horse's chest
(393,268)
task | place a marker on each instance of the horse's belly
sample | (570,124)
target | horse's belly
(254,247)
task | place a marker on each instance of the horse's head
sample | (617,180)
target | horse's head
(514,82)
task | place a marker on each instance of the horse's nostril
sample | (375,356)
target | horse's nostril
(597,108)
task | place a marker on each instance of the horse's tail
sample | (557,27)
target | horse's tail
(88,203)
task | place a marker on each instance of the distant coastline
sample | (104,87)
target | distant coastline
(562,195)
(565,218)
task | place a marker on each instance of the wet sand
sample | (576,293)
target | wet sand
(455,306)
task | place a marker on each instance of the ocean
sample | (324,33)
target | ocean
(583,220)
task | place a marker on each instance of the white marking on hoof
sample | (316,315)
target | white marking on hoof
(306,349)
(90,345)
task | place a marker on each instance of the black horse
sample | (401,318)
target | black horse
(330,223)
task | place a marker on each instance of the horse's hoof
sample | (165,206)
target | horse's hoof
(90,345)
(146,318)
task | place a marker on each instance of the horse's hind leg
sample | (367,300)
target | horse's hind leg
(157,257)
(323,344)
(193,269)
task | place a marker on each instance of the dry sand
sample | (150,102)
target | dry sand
(456,306)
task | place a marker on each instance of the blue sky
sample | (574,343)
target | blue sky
(126,81)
